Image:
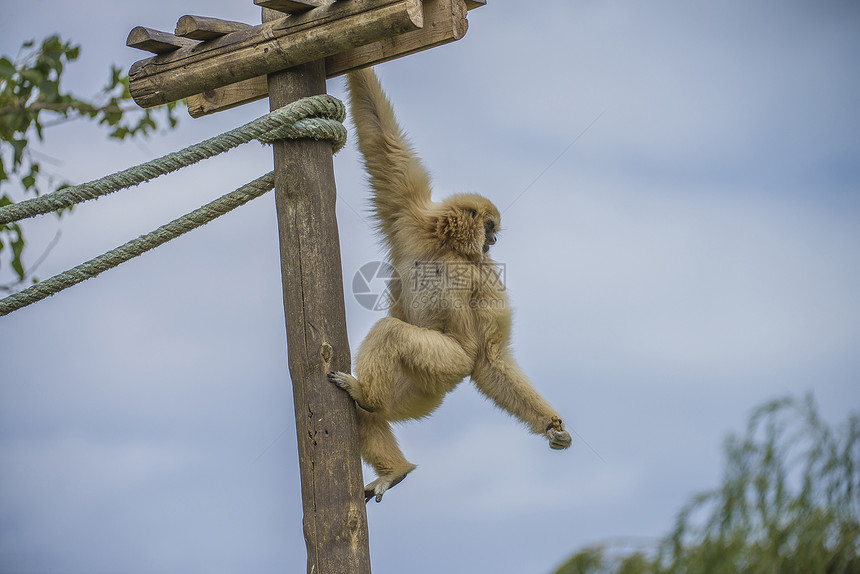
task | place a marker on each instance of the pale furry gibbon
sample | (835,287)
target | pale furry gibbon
(449,317)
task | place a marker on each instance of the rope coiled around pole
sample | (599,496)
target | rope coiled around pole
(317,117)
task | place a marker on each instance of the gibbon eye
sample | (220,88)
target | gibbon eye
(472,212)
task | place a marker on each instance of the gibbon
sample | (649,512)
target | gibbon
(449,317)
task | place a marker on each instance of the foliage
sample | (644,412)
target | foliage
(31,99)
(789,503)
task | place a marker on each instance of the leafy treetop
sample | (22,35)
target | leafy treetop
(32,99)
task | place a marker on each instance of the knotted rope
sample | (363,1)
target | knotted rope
(317,117)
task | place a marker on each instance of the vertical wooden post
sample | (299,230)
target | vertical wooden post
(335,520)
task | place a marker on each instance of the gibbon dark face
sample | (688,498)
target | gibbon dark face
(489,234)
(490,228)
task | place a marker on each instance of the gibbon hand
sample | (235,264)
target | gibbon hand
(559,438)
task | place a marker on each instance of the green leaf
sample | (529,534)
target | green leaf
(29,180)
(115,78)
(33,75)
(50,89)
(7,68)
(17,245)
(111,116)
(18,146)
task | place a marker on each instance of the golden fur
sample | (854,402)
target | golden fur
(449,317)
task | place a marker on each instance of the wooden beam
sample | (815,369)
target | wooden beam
(220,99)
(444,21)
(472,4)
(156,41)
(291,6)
(335,518)
(270,47)
(203,28)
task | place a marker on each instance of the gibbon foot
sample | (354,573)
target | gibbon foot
(379,486)
(350,384)
(558,438)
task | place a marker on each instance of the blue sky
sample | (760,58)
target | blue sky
(694,253)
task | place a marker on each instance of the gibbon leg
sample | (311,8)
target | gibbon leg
(403,371)
(434,362)
(379,448)
(501,379)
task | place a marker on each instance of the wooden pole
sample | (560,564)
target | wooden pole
(335,520)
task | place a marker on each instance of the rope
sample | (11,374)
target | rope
(318,117)
(142,244)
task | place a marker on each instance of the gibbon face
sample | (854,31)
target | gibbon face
(467,225)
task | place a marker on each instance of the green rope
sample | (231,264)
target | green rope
(142,244)
(318,117)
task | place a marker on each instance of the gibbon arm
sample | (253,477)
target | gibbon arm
(401,184)
(506,385)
